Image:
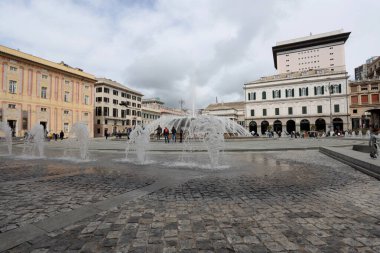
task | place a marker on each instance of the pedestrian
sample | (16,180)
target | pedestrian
(174,132)
(55,136)
(61,135)
(180,135)
(106,135)
(166,135)
(159,131)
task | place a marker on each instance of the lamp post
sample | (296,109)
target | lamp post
(330,89)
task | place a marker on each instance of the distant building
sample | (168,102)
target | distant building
(320,51)
(364,98)
(153,108)
(299,101)
(361,72)
(38,91)
(117,107)
(231,110)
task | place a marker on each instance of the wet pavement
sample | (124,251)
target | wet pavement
(274,201)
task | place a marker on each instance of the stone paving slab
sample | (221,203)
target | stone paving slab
(301,201)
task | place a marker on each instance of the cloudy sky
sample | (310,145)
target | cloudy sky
(177,49)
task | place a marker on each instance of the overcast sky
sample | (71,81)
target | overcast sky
(166,48)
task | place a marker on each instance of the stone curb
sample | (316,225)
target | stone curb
(357,160)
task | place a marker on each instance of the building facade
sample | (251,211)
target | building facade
(320,51)
(364,98)
(299,101)
(235,111)
(153,108)
(38,91)
(117,108)
(361,72)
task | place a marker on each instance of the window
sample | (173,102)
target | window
(86,100)
(319,109)
(43,109)
(133,104)
(106,111)
(12,68)
(354,99)
(115,112)
(374,87)
(44,77)
(252,112)
(106,122)
(304,92)
(12,86)
(87,87)
(134,97)
(289,93)
(318,90)
(138,113)
(98,99)
(375,98)
(106,90)
(123,94)
(66,112)
(43,92)
(363,88)
(364,99)
(98,130)
(336,108)
(133,113)
(290,110)
(86,114)
(66,97)
(276,94)
(115,102)
(252,96)
(304,110)
(138,105)
(115,92)
(98,122)
(336,88)
(11,106)
(277,111)
(264,95)
(122,113)
(128,112)
(67,82)
(355,111)
(264,112)
(128,95)
(66,127)
(106,100)
(99,89)
(139,99)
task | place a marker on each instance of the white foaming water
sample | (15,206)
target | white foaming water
(79,137)
(7,131)
(368,134)
(138,143)
(35,142)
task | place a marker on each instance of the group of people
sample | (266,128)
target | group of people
(166,134)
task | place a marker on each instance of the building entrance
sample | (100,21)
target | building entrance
(12,124)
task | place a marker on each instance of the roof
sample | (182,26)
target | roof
(152,100)
(102,80)
(225,106)
(309,41)
(31,58)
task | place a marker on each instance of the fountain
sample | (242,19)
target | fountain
(368,134)
(138,143)
(360,135)
(201,132)
(7,131)
(79,136)
(35,141)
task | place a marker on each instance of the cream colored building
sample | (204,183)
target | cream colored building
(235,111)
(38,91)
(153,108)
(320,51)
(117,108)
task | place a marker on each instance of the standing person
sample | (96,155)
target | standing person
(61,135)
(174,132)
(180,135)
(106,135)
(55,136)
(159,131)
(166,134)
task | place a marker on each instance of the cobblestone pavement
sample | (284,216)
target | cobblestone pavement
(299,201)
(49,188)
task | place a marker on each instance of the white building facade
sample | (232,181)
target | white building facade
(299,101)
(117,108)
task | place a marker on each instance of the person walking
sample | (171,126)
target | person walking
(61,135)
(166,134)
(159,131)
(174,133)
(180,135)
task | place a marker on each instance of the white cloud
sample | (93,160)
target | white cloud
(162,48)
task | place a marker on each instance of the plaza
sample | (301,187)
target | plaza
(267,195)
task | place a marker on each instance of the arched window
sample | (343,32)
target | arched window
(264,95)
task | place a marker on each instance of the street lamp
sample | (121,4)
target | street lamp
(330,88)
